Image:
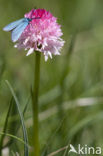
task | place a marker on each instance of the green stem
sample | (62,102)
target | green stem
(35,104)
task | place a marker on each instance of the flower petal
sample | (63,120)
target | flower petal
(31,50)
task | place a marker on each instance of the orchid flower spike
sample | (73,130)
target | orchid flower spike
(37,31)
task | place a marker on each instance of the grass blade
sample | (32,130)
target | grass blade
(18,124)
(21,119)
(14,137)
(5,127)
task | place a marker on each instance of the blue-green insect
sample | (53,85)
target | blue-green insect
(17,27)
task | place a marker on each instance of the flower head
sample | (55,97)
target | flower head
(43,34)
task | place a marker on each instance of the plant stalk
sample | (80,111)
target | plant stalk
(35,94)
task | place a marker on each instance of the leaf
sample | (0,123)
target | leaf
(14,137)
(18,125)
(21,119)
(5,126)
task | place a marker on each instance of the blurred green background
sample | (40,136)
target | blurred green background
(71,85)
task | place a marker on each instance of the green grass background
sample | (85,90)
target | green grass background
(67,81)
